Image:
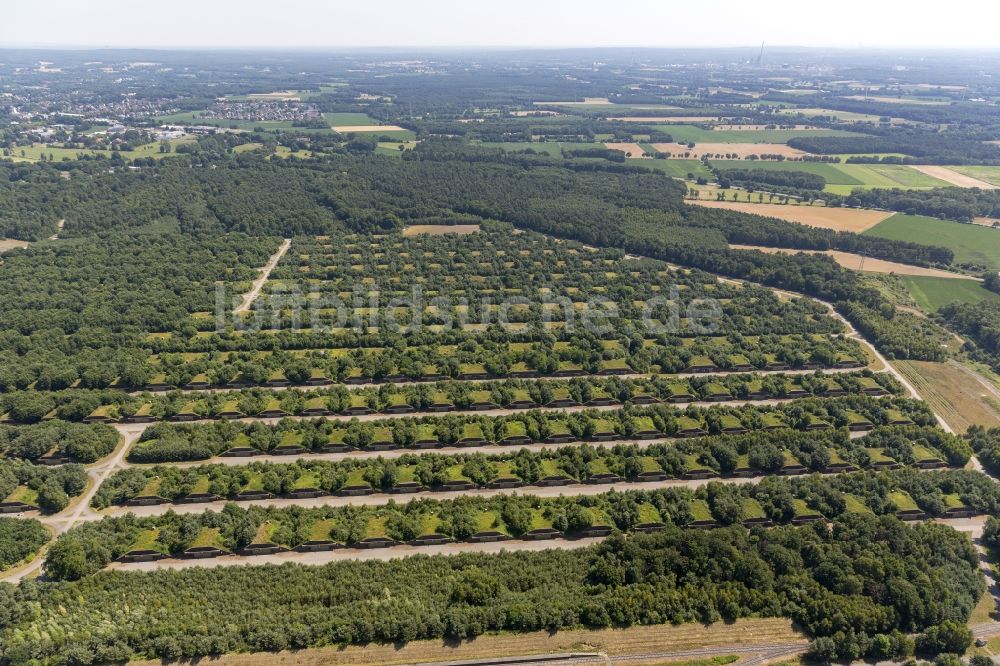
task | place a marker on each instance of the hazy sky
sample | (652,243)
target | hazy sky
(338,23)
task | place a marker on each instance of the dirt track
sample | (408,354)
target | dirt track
(265,272)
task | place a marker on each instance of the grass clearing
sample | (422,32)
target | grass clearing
(971,243)
(932,293)
(440,229)
(952,392)
(6,244)
(633,640)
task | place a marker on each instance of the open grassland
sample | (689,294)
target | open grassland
(848,116)
(553,148)
(7,244)
(971,243)
(869,176)
(953,394)
(686,133)
(838,219)
(987,174)
(634,640)
(34,152)
(932,293)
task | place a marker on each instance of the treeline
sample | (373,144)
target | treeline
(980,324)
(178,442)
(48,488)
(85,443)
(20,538)
(112,405)
(922,146)
(792,180)
(951,203)
(760,452)
(819,577)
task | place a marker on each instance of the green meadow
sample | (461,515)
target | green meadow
(932,293)
(971,243)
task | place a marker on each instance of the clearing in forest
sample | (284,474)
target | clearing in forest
(633,640)
(7,244)
(440,229)
(953,392)
(838,219)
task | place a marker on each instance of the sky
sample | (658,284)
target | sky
(515,23)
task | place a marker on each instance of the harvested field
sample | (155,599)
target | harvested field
(667,119)
(440,229)
(587,101)
(283,96)
(634,640)
(864,264)
(838,219)
(630,149)
(6,244)
(343,129)
(954,393)
(954,177)
(719,150)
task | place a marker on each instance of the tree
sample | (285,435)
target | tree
(949,636)
(66,560)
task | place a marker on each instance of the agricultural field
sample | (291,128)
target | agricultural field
(972,244)
(837,219)
(688,133)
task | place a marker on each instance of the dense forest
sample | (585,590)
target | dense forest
(828,579)
(950,203)
(19,538)
(85,443)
